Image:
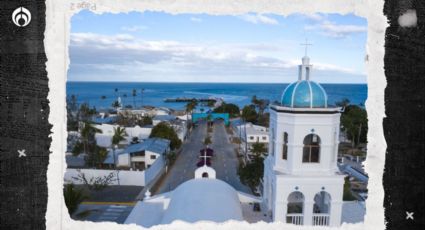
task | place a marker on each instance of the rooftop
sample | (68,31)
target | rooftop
(156,145)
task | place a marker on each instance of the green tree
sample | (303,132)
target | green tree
(86,112)
(119,135)
(259,149)
(88,132)
(116,104)
(134,94)
(354,122)
(260,104)
(73,197)
(249,113)
(343,102)
(231,109)
(251,173)
(207,140)
(164,130)
(146,120)
(264,120)
(73,113)
(347,195)
(190,106)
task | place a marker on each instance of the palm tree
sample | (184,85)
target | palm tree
(73,197)
(134,94)
(119,135)
(190,106)
(141,94)
(88,131)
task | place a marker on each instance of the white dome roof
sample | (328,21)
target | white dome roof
(203,200)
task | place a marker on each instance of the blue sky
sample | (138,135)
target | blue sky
(263,48)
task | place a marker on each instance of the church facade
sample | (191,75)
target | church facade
(302,184)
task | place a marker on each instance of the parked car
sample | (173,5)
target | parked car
(210,152)
(201,162)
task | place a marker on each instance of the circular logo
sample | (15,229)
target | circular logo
(21,17)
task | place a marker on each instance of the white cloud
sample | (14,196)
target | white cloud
(315,17)
(195,19)
(123,56)
(133,28)
(259,19)
(332,29)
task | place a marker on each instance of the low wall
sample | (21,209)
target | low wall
(134,178)
(154,170)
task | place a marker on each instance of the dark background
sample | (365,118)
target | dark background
(24,112)
(404,130)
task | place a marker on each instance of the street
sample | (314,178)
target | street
(224,161)
(185,164)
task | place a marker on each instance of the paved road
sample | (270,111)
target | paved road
(185,165)
(225,161)
(99,213)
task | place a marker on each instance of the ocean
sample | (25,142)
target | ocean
(102,94)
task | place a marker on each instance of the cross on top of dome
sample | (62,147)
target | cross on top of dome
(306,44)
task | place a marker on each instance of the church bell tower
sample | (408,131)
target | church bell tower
(302,184)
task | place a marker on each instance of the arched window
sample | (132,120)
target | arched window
(311,150)
(295,208)
(285,146)
(205,175)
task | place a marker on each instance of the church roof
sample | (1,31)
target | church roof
(304,94)
(203,200)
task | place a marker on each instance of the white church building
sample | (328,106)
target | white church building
(302,183)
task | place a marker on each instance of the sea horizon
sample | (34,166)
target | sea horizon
(101,94)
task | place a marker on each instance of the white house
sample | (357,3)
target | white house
(251,134)
(104,139)
(302,184)
(143,155)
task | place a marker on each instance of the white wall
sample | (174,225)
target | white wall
(135,178)
(154,170)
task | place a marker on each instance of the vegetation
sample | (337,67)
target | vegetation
(207,140)
(135,140)
(171,158)
(347,196)
(145,120)
(260,104)
(249,114)
(96,183)
(116,104)
(354,123)
(73,197)
(251,173)
(259,149)
(190,106)
(119,135)
(231,109)
(72,113)
(134,94)
(164,130)
(88,132)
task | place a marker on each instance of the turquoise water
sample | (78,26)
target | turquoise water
(155,93)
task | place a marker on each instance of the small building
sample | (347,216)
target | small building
(143,155)
(163,118)
(104,139)
(250,134)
